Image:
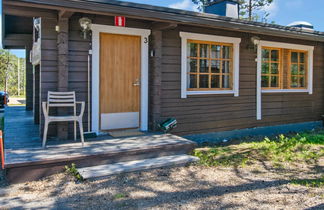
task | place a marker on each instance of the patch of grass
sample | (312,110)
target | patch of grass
(309,182)
(72,170)
(21,96)
(119,196)
(307,147)
(224,156)
(287,149)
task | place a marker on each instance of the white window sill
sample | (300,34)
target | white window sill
(212,92)
(286,91)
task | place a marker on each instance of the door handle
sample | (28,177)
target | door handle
(137,83)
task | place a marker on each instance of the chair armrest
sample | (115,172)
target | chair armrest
(82,107)
(44,105)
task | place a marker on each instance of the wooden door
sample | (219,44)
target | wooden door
(120,57)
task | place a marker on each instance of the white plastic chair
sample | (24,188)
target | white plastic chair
(62,99)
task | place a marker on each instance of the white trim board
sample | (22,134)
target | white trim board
(309,89)
(212,38)
(143,33)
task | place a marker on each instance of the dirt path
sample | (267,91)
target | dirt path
(193,187)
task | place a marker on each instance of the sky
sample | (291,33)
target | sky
(282,12)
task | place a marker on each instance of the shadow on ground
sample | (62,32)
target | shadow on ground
(172,188)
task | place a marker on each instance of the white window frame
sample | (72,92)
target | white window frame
(211,38)
(308,89)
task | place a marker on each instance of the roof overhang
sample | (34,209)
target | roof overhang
(164,14)
(16,31)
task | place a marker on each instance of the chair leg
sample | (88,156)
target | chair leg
(45,133)
(81,132)
(75,132)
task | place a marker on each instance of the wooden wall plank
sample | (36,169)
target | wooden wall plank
(196,114)
(211,113)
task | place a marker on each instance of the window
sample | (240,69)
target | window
(271,68)
(283,69)
(209,65)
(298,69)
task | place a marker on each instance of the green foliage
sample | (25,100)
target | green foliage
(9,73)
(249,9)
(283,148)
(309,182)
(225,156)
(72,170)
(1,122)
(202,3)
(307,147)
(254,9)
(119,196)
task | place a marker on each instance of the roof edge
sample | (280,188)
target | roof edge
(182,16)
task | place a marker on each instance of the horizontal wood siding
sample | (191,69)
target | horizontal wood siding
(212,113)
(78,59)
(48,69)
(196,114)
(78,66)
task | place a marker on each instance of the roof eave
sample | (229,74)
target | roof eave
(174,15)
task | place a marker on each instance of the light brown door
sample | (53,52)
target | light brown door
(119,81)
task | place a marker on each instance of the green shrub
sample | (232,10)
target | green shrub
(72,170)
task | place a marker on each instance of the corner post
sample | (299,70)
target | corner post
(155,78)
(63,68)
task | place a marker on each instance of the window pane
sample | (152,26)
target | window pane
(192,81)
(203,81)
(302,82)
(274,81)
(294,82)
(226,67)
(274,68)
(226,82)
(294,57)
(226,52)
(274,55)
(265,54)
(192,48)
(265,68)
(215,83)
(265,81)
(302,57)
(215,51)
(192,65)
(215,66)
(204,49)
(302,69)
(294,69)
(204,66)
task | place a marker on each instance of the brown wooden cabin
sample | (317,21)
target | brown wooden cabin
(212,73)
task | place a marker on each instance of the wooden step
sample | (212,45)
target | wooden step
(135,165)
(36,163)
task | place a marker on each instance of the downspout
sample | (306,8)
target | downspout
(258,79)
(89,83)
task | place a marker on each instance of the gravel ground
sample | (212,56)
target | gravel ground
(17,101)
(192,187)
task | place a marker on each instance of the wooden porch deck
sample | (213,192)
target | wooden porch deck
(20,130)
(73,152)
(26,160)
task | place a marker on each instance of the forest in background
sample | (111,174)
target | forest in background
(12,73)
